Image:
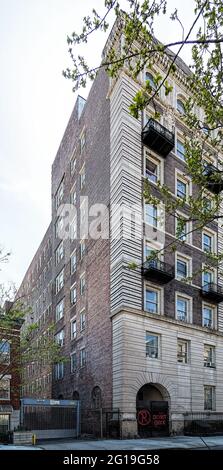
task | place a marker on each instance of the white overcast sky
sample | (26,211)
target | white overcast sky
(35,105)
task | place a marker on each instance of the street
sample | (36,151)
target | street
(179,442)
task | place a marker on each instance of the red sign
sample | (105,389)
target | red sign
(160,419)
(144,417)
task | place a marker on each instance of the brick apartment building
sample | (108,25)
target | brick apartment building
(139,339)
(36,292)
(9,373)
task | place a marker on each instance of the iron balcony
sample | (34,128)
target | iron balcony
(158,138)
(212,292)
(214,179)
(158,271)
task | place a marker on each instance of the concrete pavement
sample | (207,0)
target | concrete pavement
(178,442)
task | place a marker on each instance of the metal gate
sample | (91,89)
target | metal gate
(50,418)
(203,424)
(153,420)
(100,423)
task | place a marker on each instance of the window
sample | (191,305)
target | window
(151,215)
(150,254)
(59,194)
(208,316)
(155,215)
(73,362)
(59,253)
(4,351)
(82,177)
(208,165)
(82,141)
(73,229)
(59,225)
(209,397)
(82,248)
(182,189)
(150,79)
(5,389)
(4,422)
(82,284)
(207,204)
(152,345)
(183,267)
(182,351)
(153,169)
(59,338)
(182,229)
(183,305)
(207,278)
(83,211)
(59,370)
(60,310)
(59,281)
(73,197)
(73,262)
(73,294)
(209,356)
(72,165)
(208,242)
(180,106)
(82,320)
(180,150)
(152,300)
(73,331)
(83,357)
(205,128)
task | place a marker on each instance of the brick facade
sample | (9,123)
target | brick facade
(96,336)
(35,293)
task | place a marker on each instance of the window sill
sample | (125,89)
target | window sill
(178,158)
(184,280)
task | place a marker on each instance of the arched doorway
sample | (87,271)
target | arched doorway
(96,398)
(75,395)
(152,406)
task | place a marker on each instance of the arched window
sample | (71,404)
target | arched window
(76,395)
(96,397)
(150,79)
(60,397)
(180,106)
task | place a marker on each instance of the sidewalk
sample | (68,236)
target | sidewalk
(180,442)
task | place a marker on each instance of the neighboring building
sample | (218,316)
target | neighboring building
(9,373)
(136,339)
(35,293)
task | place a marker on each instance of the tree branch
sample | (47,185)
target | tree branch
(150,51)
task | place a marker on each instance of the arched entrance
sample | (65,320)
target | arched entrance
(152,406)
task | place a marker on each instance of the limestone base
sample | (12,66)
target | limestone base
(129,429)
(176,424)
